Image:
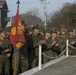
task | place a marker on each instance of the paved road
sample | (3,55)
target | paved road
(64,67)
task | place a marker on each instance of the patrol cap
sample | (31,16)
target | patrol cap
(70,30)
(35,27)
(62,26)
(30,30)
(23,23)
(46,30)
(1,30)
(7,29)
(53,32)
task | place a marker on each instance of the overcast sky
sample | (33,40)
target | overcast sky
(27,5)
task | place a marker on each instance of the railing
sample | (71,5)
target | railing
(67,43)
(65,50)
(40,58)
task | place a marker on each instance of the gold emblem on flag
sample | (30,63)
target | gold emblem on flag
(18,44)
(13,31)
(19,30)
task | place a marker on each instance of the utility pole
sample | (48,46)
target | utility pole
(45,9)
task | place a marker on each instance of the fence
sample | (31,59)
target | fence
(65,50)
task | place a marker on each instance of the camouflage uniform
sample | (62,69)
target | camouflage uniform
(34,50)
(4,60)
(52,46)
(24,54)
(23,59)
(62,40)
(56,49)
(71,50)
(47,50)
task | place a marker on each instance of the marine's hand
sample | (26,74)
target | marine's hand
(7,50)
(73,42)
(57,45)
(8,55)
(0,43)
(42,42)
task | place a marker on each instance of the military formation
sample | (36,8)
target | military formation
(53,43)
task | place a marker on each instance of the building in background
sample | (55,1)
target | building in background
(3,13)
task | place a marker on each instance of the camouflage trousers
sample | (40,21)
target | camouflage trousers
(20,64)
(72,51)
(34,62)
(23,64)
(44,59)
(4,65)
(47,53)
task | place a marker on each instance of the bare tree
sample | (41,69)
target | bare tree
(66,16)
(34,12)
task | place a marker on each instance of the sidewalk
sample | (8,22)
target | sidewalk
(35,70)
(64,67)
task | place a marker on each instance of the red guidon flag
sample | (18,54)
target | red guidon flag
(17,34)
